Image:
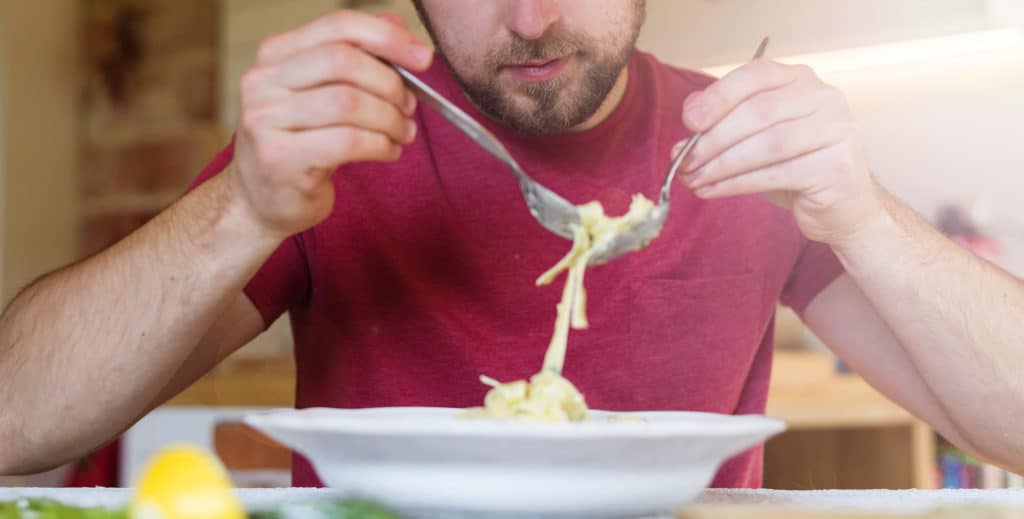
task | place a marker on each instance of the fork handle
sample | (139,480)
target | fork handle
(667,186)
(663,197)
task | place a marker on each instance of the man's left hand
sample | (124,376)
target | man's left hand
(778,130)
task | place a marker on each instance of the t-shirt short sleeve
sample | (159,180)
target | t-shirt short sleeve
(816,268)
(283,280)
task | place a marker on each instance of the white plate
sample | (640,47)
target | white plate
(424,458)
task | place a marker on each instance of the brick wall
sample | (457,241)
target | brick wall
(152,117)
(149,109)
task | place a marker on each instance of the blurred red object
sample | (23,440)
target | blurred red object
(955,223)
(985,247)
(100,469)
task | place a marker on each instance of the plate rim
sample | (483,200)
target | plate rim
(359,421)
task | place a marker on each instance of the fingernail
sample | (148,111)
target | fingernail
(410,131)
(696,113)
(421,54)
(691,179)
(393,18)
(409,105)
(677,149)
(690,162)
(705,191)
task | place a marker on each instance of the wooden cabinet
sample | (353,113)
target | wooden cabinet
(244,383)
(842,433)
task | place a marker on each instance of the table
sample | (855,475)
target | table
(719,504)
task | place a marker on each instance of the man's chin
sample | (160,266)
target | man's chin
(539,124)
(527,112)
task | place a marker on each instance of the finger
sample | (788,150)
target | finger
(677,148)
(702,110)
(340,105)
(777,178)
(375,35)
(395,19)
(760,112)
(328,148)
(782,142)
(339,62)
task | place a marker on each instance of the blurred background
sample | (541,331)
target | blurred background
(108,108)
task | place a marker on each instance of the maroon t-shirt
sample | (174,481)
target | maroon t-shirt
(422,278)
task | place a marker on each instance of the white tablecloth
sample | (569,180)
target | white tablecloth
(888,501)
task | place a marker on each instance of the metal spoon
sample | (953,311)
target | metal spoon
(643,231)
(552,211)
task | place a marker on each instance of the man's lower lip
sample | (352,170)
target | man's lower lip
(540,73)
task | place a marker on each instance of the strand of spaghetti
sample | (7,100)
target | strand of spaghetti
(554,359)
(579,240)
(579,313)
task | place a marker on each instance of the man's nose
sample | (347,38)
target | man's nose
(530,19)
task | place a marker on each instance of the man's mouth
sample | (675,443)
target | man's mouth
(535,71)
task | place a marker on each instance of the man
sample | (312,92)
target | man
(406,257)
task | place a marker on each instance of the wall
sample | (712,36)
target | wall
(699,33)
(40,79)
(149,111)
(244,25)
(948,131)
(3,133)
(152,109)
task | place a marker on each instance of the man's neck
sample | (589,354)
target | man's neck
(611,102)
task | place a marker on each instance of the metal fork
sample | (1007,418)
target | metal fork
(552,211)
(643,231)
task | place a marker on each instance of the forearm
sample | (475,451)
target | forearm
(957,316)
(86,349)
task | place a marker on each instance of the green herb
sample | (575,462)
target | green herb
(358,509)
(9,511)
(347,509)
(50,509)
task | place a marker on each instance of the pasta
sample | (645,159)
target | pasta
(548,396)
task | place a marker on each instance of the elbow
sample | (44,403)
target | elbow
(1005,454)
(1011,460)
(14,460)
(14,464)
(10,465)
(21,454)
(8,448)
(7,466)
(996,445)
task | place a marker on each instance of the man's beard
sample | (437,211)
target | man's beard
(556,105)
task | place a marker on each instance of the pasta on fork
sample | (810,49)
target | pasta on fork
(548,396)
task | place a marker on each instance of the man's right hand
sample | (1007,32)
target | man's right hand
(319,97)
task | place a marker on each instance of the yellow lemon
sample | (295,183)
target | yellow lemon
(185,483)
